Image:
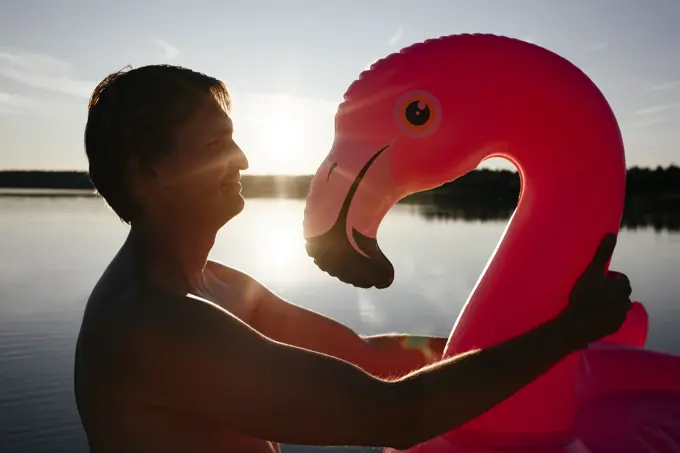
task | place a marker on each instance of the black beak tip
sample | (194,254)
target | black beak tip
(333,254)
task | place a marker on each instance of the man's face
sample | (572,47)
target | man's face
(199,180)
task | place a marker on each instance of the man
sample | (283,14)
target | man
(178,353)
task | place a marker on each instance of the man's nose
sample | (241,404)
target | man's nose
(241,159)
(238,159)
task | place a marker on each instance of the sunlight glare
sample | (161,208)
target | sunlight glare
(281,250)
(283,134)
(284,141)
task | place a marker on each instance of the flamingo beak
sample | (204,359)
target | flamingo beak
(347,199)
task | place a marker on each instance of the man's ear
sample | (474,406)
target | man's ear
(136,168)
(141,166)
(140,176)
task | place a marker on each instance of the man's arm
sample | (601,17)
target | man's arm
(383,356)
(192,357)
(390,355)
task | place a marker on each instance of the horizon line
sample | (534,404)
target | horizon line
(45,170)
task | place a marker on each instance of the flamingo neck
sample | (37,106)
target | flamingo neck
(573,189)
(567,204)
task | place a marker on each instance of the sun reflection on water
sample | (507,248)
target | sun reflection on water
(270,242)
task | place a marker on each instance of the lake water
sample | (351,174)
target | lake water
(53,251)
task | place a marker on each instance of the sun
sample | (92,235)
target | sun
(284,143)
(283,134)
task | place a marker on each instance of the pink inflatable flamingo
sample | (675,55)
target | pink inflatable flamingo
(430,114)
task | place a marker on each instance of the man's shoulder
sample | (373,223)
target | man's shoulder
(118,278)
(125,320)
(234,276)
(237,279)
(228,274)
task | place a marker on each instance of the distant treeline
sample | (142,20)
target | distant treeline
(253,185)
(661,215)
(652,198)
(652,195)
(479,186)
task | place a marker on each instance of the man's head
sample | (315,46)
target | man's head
(159,144)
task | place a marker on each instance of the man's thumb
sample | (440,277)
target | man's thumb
(603,253)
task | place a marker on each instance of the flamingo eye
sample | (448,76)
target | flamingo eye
(417,113)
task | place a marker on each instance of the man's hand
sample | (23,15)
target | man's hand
(599,301)
(408,352)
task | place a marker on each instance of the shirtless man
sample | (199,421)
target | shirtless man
(178,353)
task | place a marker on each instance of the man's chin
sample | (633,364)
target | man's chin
(234,207)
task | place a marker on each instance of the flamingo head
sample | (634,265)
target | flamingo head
(412,122)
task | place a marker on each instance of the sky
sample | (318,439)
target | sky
(287,64)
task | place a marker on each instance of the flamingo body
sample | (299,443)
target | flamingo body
(430,114)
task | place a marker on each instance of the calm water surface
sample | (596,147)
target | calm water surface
(53,251)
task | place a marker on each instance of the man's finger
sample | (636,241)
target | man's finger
(617,292)
(623,278)
(603,254)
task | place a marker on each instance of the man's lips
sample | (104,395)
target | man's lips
(232,183)
(235,179)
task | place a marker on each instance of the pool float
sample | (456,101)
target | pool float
(432,113)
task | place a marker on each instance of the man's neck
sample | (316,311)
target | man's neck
(172,255)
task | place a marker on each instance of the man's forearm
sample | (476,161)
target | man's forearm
(456,390)
(389,356)
(384,356)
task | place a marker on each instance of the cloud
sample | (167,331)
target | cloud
(598,46)
(658,108)
(43,72)
(396,37)
(649,121)
(12,104)
(33,62)
(668,85)
(171,51)
(17,104)
(15,100)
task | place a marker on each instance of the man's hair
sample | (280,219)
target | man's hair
(134,112)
